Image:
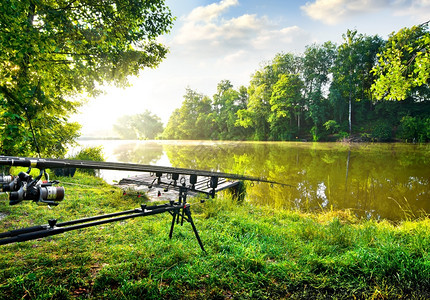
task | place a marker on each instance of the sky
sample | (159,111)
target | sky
(219,40)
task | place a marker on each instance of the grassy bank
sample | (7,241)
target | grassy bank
(252,253)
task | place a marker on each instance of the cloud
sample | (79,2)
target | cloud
(417,9)
(210,12)
(207,32)
(231,58)
(335,11)
(282,37)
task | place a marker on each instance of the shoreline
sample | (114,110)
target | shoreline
(252,252)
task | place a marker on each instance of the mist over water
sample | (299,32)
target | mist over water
(380,181)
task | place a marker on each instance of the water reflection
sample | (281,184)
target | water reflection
(141,153)
(374,180)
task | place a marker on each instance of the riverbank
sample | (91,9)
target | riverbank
(253,252)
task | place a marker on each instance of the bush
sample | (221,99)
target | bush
(426,128)
(414,129)
(342,135)
(89,153)
(382,132)
(332,126)
(315,135)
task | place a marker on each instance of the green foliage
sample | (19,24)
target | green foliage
(53,51)
(343,135)
(286,102)
(414,129)
(317,63)
(315,134)
(404,64)
(382,131)
(349,91)
(139,127)
(332,126)
(268,103)
(89,153)
(193,120)
(226,103)
(297,96)
(52,133)
(252,253)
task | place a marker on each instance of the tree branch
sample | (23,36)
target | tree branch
(9,95)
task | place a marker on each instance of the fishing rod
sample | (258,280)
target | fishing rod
(25,187)
(179,210)
(52,163)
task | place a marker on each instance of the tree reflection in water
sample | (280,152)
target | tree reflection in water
(139,153)
(389,181)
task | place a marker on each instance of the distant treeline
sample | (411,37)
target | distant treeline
(323,94)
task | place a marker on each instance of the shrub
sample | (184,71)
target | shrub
(332,126)
(89,153)
(426,128)
(315,135)
(382,131)
(414,129)
(343,135)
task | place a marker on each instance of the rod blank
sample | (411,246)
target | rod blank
(52,163)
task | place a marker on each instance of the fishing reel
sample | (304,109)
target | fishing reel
(24,187)
(5,180)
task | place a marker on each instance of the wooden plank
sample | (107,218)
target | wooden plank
(202,185)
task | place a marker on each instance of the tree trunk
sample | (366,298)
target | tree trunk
(350,114)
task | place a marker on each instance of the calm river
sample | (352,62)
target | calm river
(377,181)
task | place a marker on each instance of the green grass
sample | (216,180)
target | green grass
(252,253)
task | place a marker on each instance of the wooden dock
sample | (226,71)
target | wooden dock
(164,185)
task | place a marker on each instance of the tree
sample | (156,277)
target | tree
(317,63)
(221,106)
(148,125)
(53,51)
(226,103)
(125,128)
(404,64)
(285,103)
(351,73)
(192,121)
(141,126)
(173,127)
(258,111)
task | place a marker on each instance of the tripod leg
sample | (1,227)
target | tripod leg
(178,217)
(190,219)
(182,219)
(173,224)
